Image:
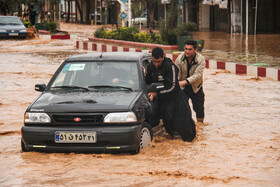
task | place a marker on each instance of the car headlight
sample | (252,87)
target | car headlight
(2,30)
(122,117)
(36,118)
(23,30)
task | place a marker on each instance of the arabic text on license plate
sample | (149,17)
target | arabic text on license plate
(75,137)
(13,34)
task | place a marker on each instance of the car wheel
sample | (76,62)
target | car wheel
(145,139)
(146,135)
(23,149)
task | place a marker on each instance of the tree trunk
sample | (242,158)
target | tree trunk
(68,13)
(19,9)
(80,11)
(88,12)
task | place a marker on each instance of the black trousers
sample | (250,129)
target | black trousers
(176,116)
(197,99)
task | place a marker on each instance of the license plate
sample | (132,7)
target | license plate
(13,34)
(75,137)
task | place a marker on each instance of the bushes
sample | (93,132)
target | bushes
(167,36)
(128,34)
(99,33)
(122,33)
(184,29)
(51,26)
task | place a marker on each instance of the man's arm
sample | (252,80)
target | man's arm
(170,80)
(147,74)
(179,65)
(198,72)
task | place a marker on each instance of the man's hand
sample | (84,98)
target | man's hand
(183,83)
(144,70)
(152,95)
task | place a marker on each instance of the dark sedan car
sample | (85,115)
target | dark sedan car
(94,102)
(12,27)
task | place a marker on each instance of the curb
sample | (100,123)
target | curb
(43,34)
(56,37)
(239,69)
(61,37)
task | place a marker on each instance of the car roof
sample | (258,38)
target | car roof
(109,56)
(10,16)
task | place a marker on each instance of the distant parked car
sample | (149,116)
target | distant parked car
(140,20)
(94,102)
(12,27)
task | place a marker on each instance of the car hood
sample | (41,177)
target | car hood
(84,101)
(138,19)
(12,27)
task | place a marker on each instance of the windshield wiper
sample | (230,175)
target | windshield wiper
(71,87)
(12,24)
(110,86)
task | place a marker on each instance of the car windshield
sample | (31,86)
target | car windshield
(87,76)
(143,15)
(10,21)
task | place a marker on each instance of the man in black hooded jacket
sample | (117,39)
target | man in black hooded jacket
(172,105)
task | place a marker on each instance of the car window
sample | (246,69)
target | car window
(143,15)
(145,63)
(10,21)
(94,74)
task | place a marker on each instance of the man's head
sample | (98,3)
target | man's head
(190,48)
(157,57)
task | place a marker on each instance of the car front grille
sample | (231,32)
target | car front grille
(3,34)
(80,118)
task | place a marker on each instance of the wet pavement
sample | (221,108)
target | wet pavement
(238,145)
(259,50)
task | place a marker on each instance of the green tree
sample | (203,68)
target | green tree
(6,6)
(138,8)
(109,4)
(151,6)
(53,4)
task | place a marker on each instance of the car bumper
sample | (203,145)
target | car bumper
(121,138)
(16,35)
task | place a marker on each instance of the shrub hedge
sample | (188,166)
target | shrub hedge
(167,36)
(128,34)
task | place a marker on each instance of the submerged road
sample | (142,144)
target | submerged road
(238,145)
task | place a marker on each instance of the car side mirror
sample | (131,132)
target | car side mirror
(154,87)
(40,87)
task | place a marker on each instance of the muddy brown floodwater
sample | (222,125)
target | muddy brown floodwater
(238,145)
(259,50)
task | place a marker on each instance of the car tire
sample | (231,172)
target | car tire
(145,138)
(146,135)
(23,148)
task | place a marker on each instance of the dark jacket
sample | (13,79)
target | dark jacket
(33,15)
(167,73)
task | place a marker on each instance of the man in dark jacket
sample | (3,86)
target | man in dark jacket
(172,105)
(32,15)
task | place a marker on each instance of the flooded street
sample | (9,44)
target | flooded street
(258,50)
(238,145)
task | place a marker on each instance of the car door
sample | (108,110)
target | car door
(148,103)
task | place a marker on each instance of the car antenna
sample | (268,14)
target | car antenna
(101,55)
